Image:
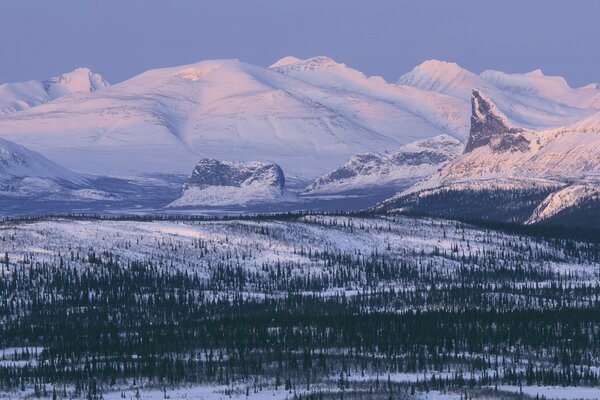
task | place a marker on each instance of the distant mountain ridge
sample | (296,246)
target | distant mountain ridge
(24,172)
(401,167)
(163,121)
(20,96)
(529,135)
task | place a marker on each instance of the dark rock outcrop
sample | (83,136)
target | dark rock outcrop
(211,172)
(490,128)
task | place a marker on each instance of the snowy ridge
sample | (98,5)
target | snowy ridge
(535,83)
(309,116)
(220,183)
(412,161)
(563,199)
(25,172)
(532,100)
(22,95)
(443,77)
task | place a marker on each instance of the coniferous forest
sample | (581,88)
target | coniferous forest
(297,306)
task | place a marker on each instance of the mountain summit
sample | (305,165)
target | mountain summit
(23,95)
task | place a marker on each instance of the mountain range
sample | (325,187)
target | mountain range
(440,130)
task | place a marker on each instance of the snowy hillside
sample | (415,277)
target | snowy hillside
(569,197)
(22,95)
(25,172)
(399,168)
(338,306)
(220,183)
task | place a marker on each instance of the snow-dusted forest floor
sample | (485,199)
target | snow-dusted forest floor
(311,306)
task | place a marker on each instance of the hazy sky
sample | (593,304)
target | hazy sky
(120,38)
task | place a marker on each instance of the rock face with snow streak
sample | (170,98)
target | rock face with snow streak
(498,150)
(399,168)
(219,183)
(490,127)
(23,95)
(536,174)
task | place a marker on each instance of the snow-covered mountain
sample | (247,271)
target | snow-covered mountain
(397,169)
(443,77)
(164,120)
(223,183)
(310,116)
(22,95)
(505,160)
(24,172)
(531,100)
(498,149)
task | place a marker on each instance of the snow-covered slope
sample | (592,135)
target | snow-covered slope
(24,172)
(221,183)
(530,100)
(164,120)
(443,77)
(536,84)
(399,168)
(570,196)
(22,95)
(373,102)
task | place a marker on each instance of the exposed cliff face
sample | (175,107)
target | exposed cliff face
(513,174)
(490,127)
(211,172)
(219,183)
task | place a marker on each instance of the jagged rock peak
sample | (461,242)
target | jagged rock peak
(490,127)
(211,172)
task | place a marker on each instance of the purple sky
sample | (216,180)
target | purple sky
(120,38)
